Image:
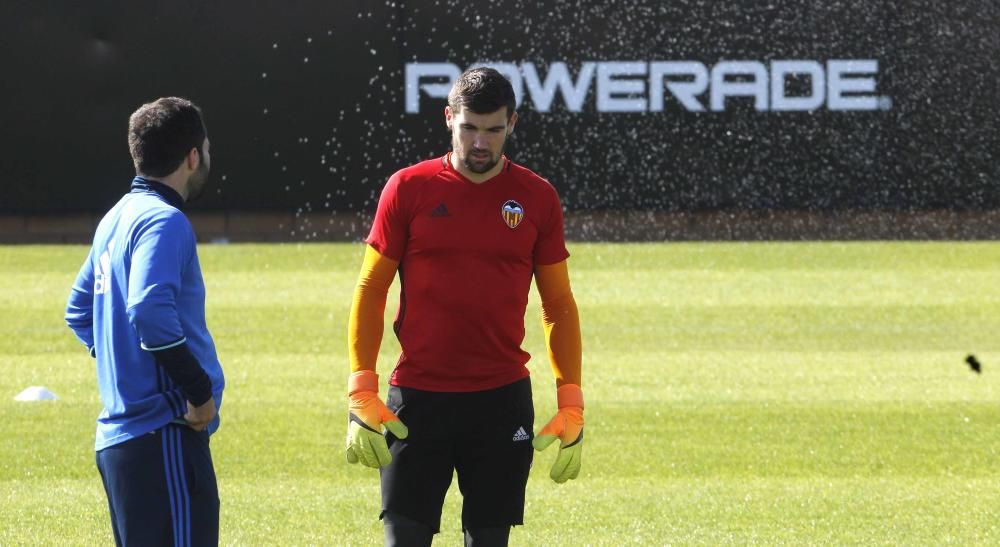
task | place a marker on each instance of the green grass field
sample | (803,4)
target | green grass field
(763,393)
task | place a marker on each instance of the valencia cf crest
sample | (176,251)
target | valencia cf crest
(512,213)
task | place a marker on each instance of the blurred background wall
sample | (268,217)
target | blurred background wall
(654,120)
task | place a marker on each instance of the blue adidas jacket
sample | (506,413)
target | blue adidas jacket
(141,290)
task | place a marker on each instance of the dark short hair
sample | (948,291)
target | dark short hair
(482,90)
(162,133)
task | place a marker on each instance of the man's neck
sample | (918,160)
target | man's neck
(172,181)
(477,178)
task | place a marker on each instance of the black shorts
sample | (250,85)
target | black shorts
(161,488)
(485,436)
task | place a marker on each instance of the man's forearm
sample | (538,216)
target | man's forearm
(184,370)
(561,321)
(562,336)
(365,326)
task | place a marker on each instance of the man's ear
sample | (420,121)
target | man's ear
(510,123)
(448,115)
(193,159)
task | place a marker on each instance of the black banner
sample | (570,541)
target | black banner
(679,106)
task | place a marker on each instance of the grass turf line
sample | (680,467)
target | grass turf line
(737,393)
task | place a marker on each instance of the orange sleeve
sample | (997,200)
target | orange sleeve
(365,326)
(561,321)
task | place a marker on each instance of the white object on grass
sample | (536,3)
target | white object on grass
(36,393)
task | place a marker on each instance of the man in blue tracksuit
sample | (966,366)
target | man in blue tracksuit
(138,305)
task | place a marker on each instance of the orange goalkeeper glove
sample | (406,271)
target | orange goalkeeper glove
(567,426)
(365,442)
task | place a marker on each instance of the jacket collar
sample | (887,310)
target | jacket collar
(142,184)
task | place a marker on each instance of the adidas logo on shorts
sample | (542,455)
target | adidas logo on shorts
(521,435)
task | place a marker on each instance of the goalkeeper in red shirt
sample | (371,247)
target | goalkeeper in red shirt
(466,233)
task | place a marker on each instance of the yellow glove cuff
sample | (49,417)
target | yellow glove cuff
(569,395)
(362,380)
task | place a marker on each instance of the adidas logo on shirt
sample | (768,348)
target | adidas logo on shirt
(440,211)
(521,435)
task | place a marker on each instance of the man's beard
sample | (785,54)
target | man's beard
(485,168)
(197,182)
